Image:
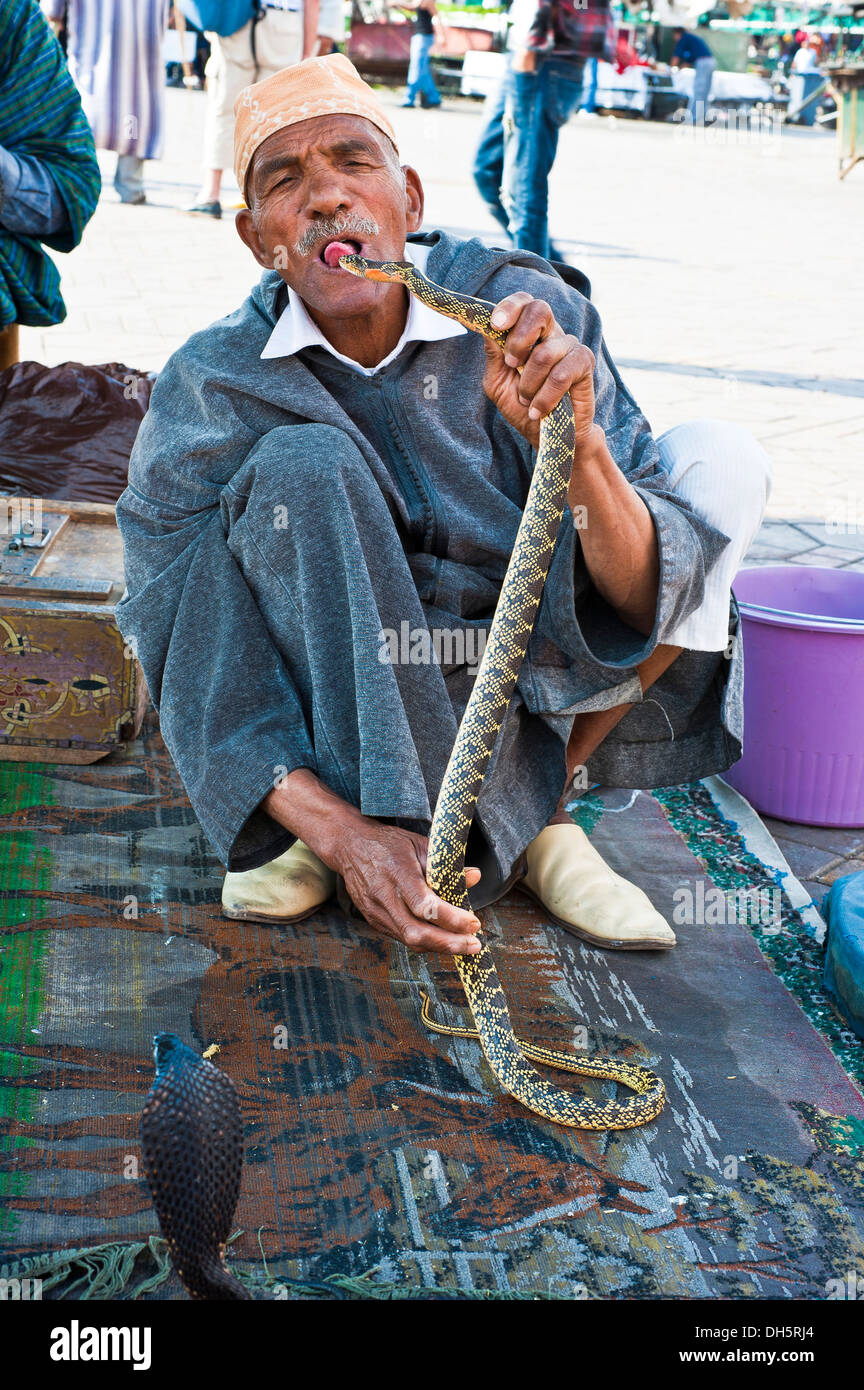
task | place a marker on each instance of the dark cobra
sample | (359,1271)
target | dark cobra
(192,1142)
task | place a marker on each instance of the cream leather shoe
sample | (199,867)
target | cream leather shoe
(285,890)
(582,894)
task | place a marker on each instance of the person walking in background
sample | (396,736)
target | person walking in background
(805,78)
(331,26)
(488,166)
(269,38)
(588,104)
(49,173)
(190,77)
(543,88)
(421,81)
(114,51)
(489,156)
(691,51)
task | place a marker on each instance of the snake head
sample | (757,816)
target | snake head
(169,1050)
(388,271)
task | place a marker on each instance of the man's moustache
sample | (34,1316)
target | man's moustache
(330,231)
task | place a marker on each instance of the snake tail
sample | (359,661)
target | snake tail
(649,1087)
(192,1142)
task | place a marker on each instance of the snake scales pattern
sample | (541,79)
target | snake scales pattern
(192,1144)
(505,649)
(191,1131)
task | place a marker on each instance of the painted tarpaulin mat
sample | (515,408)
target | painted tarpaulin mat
(378,1152)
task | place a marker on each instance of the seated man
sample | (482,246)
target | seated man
(326,490)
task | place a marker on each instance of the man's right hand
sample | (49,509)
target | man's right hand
(384,867)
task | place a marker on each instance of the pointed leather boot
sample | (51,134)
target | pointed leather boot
(583,895)
(285,890)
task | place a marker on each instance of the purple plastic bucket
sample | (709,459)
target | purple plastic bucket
(803,629)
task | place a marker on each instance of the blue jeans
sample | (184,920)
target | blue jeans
(703,76)
(489,156)
(420,79)
(801,86)
(536,105)
(589,93)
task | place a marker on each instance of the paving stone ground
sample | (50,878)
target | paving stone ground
(726,265)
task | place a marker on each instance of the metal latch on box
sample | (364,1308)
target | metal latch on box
(27,537)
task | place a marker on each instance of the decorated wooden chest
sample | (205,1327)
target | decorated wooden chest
(70,689)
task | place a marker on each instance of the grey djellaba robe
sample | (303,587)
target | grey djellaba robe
(283,514)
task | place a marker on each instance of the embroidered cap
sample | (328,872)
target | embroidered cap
(324,86)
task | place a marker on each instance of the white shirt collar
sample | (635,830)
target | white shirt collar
(295,329)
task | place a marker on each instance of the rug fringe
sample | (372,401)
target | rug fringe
(105,1271)
(108,1271)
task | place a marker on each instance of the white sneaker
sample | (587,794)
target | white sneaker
(285,890)
(582,894)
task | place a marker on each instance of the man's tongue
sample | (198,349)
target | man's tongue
(335,249)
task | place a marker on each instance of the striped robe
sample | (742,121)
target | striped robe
(41,120)
(115,57)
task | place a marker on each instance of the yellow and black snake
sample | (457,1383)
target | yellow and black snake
(505,649)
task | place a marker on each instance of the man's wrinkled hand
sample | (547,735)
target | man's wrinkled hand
(552,363)
(384,868)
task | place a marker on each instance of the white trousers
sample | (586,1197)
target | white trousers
(725,476)
(230,68)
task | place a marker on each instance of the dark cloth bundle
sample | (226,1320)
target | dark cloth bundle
(68,431)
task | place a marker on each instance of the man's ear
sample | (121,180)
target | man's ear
(248,233)
(414,199)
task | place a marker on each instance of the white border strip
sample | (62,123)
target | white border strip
(759,841)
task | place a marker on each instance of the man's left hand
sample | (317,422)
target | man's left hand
(552,363)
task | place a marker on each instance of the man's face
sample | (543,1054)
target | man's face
(331,178)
